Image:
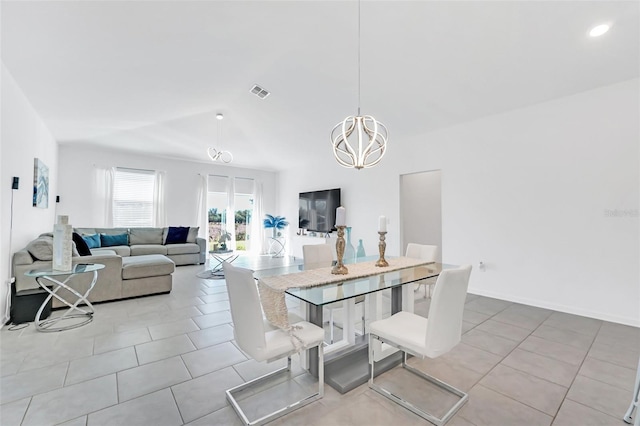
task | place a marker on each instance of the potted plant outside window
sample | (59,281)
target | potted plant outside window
(224,237)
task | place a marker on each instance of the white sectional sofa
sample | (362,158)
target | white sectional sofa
(142,267)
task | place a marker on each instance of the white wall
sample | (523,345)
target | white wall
(23,138)
(526,192)
(182,180)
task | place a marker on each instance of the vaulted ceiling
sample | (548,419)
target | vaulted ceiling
(150,76)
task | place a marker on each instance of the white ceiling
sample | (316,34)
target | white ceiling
(151,75)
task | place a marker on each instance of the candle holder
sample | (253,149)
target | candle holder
(382,246)
(340,269)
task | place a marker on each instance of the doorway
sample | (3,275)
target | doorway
(421,209)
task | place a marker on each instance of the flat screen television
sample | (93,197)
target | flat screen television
(317,210)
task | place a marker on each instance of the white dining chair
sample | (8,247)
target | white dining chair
(423,252)
(263,344)
(635,402)
(321,256)
(426,337)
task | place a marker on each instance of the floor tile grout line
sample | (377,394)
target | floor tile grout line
(176,402)
(578,370)
(551,358)
(24,415)
(604,383)
(570,330)
(499,363)
(515,400)
(622,423)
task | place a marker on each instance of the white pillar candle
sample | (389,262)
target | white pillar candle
(382,226)
(341,216)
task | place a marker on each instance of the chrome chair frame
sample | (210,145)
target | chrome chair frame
(285,410)
(399,400)
(635,403)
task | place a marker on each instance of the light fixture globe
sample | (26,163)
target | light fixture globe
(215,155)
(218,154)
(359,142)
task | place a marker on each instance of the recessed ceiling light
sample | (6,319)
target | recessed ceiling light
(219,116)
(598,30)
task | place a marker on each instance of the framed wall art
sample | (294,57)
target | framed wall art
(40,184)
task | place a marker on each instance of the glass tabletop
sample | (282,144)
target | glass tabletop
(298,267)
(78,268)
(349,288)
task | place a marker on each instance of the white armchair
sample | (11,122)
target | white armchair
(263,344)
(426,337)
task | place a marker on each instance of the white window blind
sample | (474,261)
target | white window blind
(133,198)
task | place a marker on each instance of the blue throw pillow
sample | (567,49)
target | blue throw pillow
(114,240)
(177,235)
(93,241)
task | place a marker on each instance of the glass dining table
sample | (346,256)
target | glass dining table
(347,367)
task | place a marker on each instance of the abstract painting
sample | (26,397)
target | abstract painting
(40,185)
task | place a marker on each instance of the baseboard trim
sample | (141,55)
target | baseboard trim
(634,322)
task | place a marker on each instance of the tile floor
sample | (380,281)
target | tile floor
(167,359)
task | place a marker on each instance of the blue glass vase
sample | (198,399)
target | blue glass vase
(349,250)
(360,251)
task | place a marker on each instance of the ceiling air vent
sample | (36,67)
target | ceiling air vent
(259,91)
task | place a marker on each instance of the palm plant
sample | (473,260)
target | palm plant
(275,222)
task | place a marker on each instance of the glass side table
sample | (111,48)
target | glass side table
(46,279)
(277,246)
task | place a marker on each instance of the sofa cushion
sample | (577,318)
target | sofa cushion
(177,235)
(123,251)
(104,252)
(151,265)
(93,241)
(112,231)
(143,249)
(114,240)
(193,234)
(81,245)
(145,236)
(185,248)
(41,248)
(22,257)
(86,231)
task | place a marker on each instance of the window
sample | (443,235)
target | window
(133,198)
(230,206)
(243,207)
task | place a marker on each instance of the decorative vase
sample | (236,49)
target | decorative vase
(349,250)
(360,251)
(62,244)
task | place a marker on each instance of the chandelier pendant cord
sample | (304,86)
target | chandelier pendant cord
(359,142)
(359,36)
(219,154)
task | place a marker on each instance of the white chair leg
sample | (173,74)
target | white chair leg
(331,326)
(268,377)
(408,405)
(363,317)
(635,402)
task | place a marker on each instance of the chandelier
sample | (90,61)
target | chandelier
(218,154)
(359,142)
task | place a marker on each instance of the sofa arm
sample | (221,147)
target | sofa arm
(111,274)
(202,243)
(22,257)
